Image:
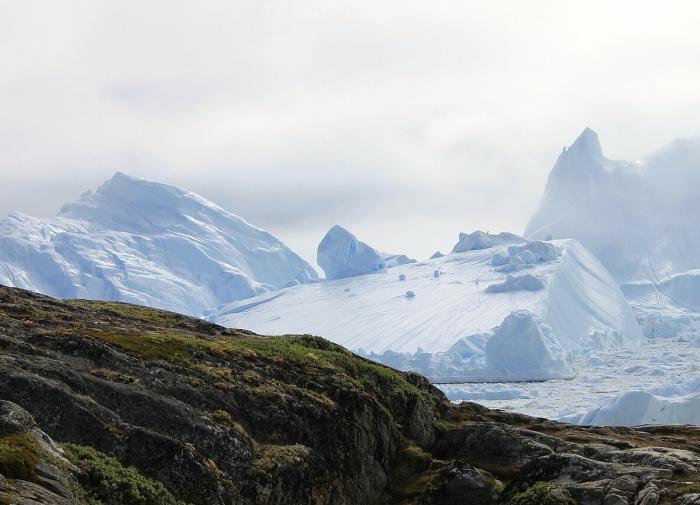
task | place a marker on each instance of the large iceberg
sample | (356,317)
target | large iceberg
(457,327)
(640,218)
(143,242)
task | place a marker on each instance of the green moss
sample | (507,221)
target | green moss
(316,356)
(135,311)
(168,347)
(18,456)
(378,380)
(543,493)
(107,482)
(270,456)
(5,499)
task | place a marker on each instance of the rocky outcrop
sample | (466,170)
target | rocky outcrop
(32,466)
(181,409)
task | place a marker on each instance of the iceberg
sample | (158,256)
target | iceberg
(148,243)
(340,254)
(679,405)
(640,218)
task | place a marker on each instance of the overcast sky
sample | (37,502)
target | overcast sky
(404,121)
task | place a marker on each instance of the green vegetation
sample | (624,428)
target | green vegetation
(544,493)
(172,348)
(107,482)
(316,356)
(129,310)
(268,456)
(18,456)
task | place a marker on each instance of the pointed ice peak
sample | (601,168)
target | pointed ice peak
(121,175)
(130,203)
(124,190)
(587,144)
(121,182)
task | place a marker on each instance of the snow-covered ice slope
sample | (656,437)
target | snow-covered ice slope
(142,242)
(568,303)
(640,218)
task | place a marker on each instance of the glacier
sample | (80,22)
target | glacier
(148,243)
(444,327)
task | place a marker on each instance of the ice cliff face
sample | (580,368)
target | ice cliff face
(143,242)
(639,218)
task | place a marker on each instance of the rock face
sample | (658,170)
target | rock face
(209,415)
(32,465)
(142,242)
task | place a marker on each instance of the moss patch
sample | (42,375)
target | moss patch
(18,456)
(325,359)
(544,493)
(129,310)
(107,481)
(269,456)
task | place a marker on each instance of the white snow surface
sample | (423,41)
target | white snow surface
(143,242)
(443,331)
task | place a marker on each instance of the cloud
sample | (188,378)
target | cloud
(405,121)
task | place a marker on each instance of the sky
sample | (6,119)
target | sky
(406,122)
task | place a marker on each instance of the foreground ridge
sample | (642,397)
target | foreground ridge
(99,400)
